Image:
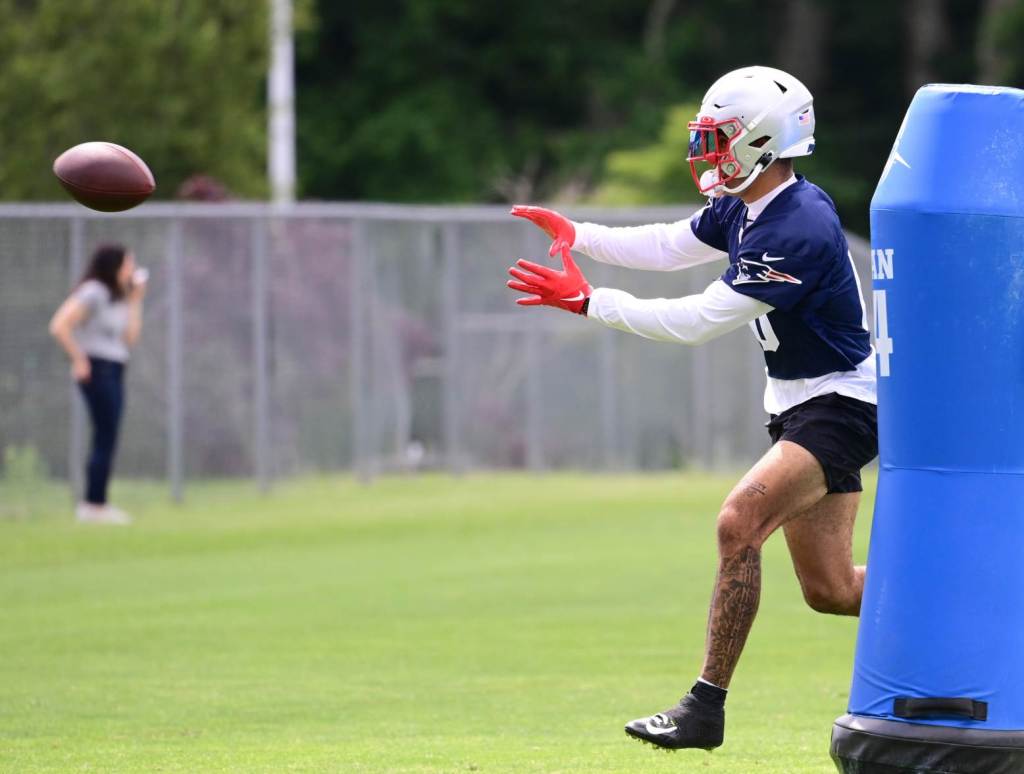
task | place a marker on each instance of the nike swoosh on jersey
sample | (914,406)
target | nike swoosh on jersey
(769,258)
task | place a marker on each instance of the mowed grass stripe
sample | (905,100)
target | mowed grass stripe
(491,623)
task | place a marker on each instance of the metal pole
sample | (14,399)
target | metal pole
(534,402)
(281,104)
(357,351)
(175,356)
(757,435)
(260,362)
(371,358)
(609,399)
(450,247)
(534,384)
(76,438)
(702,405)
(608,347)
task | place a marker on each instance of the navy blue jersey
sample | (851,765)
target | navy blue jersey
(793,257)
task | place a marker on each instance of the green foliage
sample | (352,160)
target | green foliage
(655,174)
(457,100)
(1003,32)
(181,83)
(439,100)
(434,100)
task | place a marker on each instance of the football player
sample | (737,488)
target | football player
(791,278)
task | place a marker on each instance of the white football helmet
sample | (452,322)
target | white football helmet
(748,119)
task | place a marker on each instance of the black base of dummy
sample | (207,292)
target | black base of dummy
(863,745)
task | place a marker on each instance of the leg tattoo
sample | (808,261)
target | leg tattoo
(755,489)
(733,607)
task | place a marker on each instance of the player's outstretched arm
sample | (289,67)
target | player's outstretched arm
(689,320)
(654,247)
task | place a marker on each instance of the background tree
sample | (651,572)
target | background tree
(999,34)
(457,100)
(652,174)
(426,100)
(454,100)
(180,82)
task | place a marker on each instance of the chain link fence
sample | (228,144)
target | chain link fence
(371,338)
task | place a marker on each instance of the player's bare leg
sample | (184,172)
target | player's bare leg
(821,544)
(784,484)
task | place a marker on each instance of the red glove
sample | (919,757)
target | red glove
(567,289)
(556,226)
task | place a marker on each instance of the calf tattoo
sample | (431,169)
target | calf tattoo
(733,607)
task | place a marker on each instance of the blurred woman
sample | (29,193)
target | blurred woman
(97,325)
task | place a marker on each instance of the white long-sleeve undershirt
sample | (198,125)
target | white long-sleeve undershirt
(698,318)
(688,320)
(655,247)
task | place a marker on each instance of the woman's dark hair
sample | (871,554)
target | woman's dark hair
(103,267)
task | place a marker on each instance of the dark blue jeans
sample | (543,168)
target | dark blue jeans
(104,395)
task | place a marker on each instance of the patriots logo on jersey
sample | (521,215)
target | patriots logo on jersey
(748,271)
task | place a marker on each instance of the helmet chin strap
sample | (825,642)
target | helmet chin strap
(759,166)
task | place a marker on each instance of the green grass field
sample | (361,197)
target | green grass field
(491,624)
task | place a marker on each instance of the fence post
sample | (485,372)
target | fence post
(357,351)
(175,356)
(609,399)
(702,405)
(534,400)
(76,438)
(260,364)
(534,378)
(450,247)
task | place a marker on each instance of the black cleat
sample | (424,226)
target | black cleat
(692,723)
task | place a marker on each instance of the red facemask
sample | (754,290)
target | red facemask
(711,143)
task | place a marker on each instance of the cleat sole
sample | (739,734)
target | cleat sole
(652,743)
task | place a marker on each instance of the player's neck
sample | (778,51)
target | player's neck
(772,178)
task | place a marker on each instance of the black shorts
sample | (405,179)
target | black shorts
(841,433)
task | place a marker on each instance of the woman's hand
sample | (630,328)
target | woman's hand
(81,370)
(140,283)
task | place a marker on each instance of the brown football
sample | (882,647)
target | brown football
(104,176)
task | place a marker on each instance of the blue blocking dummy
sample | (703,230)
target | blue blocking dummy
(938,680)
